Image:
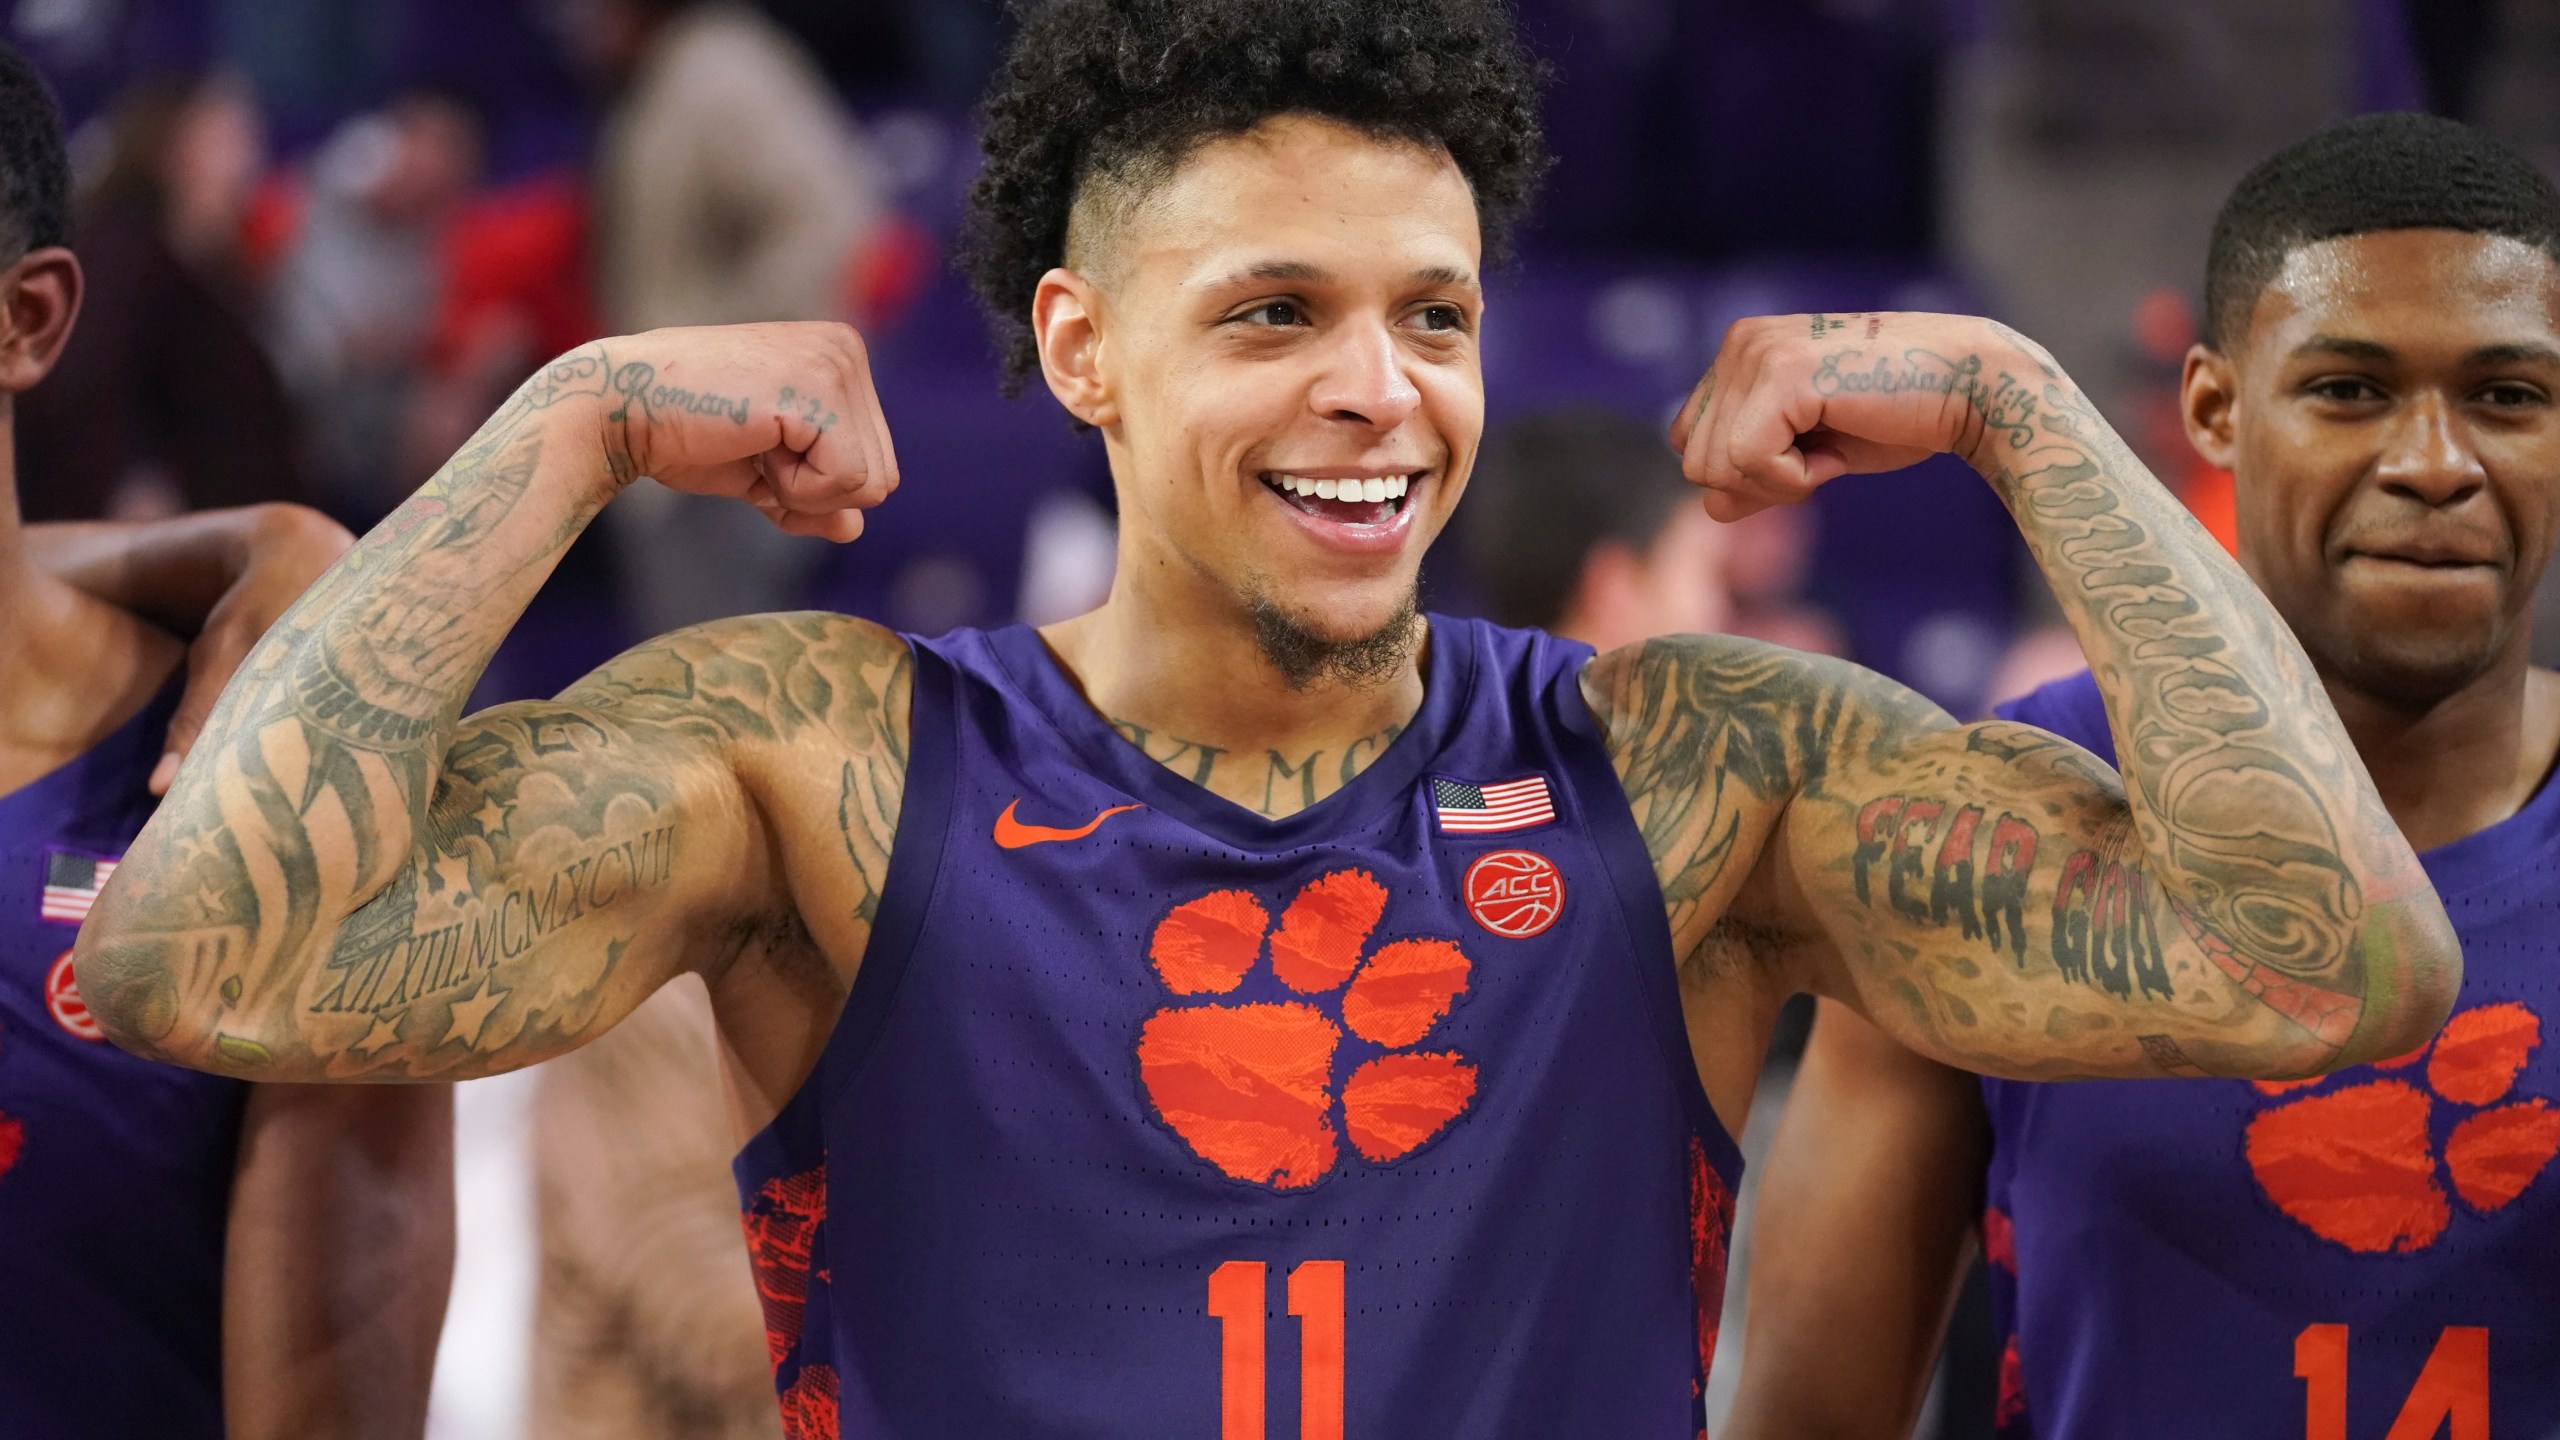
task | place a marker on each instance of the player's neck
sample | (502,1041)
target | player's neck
(2467,761)
(1186,682)
(71,667)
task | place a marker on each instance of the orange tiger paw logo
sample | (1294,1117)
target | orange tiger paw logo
(2360,1164)
(1250,1086)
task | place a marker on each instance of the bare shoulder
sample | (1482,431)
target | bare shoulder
(1713,736)
(798,679)
(1683,710)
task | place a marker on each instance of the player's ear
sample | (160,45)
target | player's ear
(1066,320)
(39,298)
(2208,392)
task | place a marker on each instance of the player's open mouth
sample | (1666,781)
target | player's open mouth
(1344,499)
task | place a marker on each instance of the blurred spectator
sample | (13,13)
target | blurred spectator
(164,400)
(731,186)
(1769,564)
(1578,521)
(514,289)
(356,293)
(648,1325)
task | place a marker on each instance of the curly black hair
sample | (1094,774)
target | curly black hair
(35,171)
(1125,89)
(2389,171)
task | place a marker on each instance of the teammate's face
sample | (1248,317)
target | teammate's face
(1285,368)
(2392,422)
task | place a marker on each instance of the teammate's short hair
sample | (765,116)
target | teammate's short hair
(1116,93)
(1551,488)
(2392,171)
(35,170)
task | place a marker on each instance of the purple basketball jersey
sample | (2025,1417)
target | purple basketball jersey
(2375,1254)
(1151,1116)
(115,1173)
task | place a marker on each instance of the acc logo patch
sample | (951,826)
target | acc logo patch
(1514,893)
(62,997)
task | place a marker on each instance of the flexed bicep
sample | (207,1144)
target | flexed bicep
(571,860)
(573,855)
(1991,900)
(541,897)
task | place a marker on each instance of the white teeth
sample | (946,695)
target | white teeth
(1372,491)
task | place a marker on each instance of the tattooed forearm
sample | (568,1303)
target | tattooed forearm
(2238,903)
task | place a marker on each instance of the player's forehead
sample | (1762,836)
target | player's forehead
(1305,198)
(2425,296)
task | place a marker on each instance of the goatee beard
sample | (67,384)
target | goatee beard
(1305,658)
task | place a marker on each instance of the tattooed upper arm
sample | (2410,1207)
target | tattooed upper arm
(1992,903)
(574,855)
(1983,892)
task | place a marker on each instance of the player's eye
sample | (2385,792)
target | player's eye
(2344,389)
(1274,313)
(1447,318)
(2513,395)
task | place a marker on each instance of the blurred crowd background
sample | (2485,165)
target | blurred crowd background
(325,237)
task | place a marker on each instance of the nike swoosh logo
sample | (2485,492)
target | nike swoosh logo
(1012,834)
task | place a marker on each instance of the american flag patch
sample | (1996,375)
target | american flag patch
(72,879)
(1470,809)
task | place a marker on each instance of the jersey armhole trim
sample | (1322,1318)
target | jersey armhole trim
(1620,848)
(915,871)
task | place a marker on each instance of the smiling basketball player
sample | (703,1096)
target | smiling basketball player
(1250,996)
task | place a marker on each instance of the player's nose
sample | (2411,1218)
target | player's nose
(1364,379)
(2427,453)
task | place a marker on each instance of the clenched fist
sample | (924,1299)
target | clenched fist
(782,416)
(1793,401)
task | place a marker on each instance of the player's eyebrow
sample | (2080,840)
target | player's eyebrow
(2512,352)
(1303,272)
(2346,348)
(1293,271)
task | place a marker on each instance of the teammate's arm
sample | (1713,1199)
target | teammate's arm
(1995,898)
(338,1260)
(349,881)
(221,576)
(1869,1203)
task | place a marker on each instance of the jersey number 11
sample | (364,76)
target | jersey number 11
(1237,1302)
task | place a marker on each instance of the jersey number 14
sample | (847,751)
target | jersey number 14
(2452,1390)
(1237,1302)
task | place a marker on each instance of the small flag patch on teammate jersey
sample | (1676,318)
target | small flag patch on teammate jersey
(1470,809)
(72,880)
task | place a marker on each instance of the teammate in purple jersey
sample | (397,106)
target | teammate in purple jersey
(1249,1004)
(180,1255)
(2371,1257)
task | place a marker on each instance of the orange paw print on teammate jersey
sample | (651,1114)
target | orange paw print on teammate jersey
(1250,1086)
(2360,1165)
